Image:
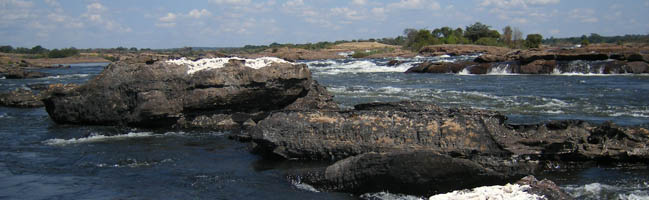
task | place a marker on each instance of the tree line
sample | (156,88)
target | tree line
(39,51)
(477,33)
(596,38)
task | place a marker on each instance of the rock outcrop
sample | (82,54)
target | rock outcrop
(31,98)
(19,73)
(189,94)
(463,132)
(402,145)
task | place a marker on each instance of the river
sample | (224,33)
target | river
(43,160)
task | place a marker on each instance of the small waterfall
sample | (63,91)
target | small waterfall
(465,71)
(500,69)
(580,68)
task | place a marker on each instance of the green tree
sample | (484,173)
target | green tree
(533,40)
(585,42)
(477,31)
(6,49)
(487,41)
(38,49)
(507,36)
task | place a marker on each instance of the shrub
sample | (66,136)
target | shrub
(533,40)
(487,41)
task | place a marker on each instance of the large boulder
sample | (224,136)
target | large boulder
(205,93)
(412,172)
(461,132)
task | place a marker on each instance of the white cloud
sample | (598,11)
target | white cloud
(199,13)
(359,2)
(53,3)
(95,13)
(415,5)
(555,31)
(96,7)
(170,17)
(520,20)
(516,3)
(232,2)
(17,3)
(585,15)
(347,13)
(293,3)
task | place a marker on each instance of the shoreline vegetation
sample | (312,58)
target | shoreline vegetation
(410,44)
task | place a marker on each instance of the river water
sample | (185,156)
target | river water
(43,160)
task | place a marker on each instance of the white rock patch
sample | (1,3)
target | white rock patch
(214,63)
(499,192)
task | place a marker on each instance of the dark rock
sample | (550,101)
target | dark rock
(481,68)
(406,146)
(378,128)
(395,62)
(488,58)
(161,94)
(440,67)
(585,56)
(414,172)
(18,73)
(545,188)
(528,57)
(460,132)
(538,67)
(20,98)
(638,67)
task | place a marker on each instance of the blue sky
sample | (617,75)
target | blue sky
(224,23)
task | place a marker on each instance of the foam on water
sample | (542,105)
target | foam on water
(214,63)
(65,76)
(604,191)
(506,192)
(96,138)
(465,71)
(303,186)
(388,196)
(133,163)
(358,66)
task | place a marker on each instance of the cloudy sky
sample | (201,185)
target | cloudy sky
(224,23)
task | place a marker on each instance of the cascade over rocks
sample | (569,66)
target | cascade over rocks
(534,61)
(164,94)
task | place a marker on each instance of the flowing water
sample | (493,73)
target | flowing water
(42,160)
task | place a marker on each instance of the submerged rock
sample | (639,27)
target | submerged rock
(20,98)
(25,98)
(18,73)
(208,93)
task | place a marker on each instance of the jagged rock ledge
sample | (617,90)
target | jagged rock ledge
(218,93)
(410,147)
(534,61)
